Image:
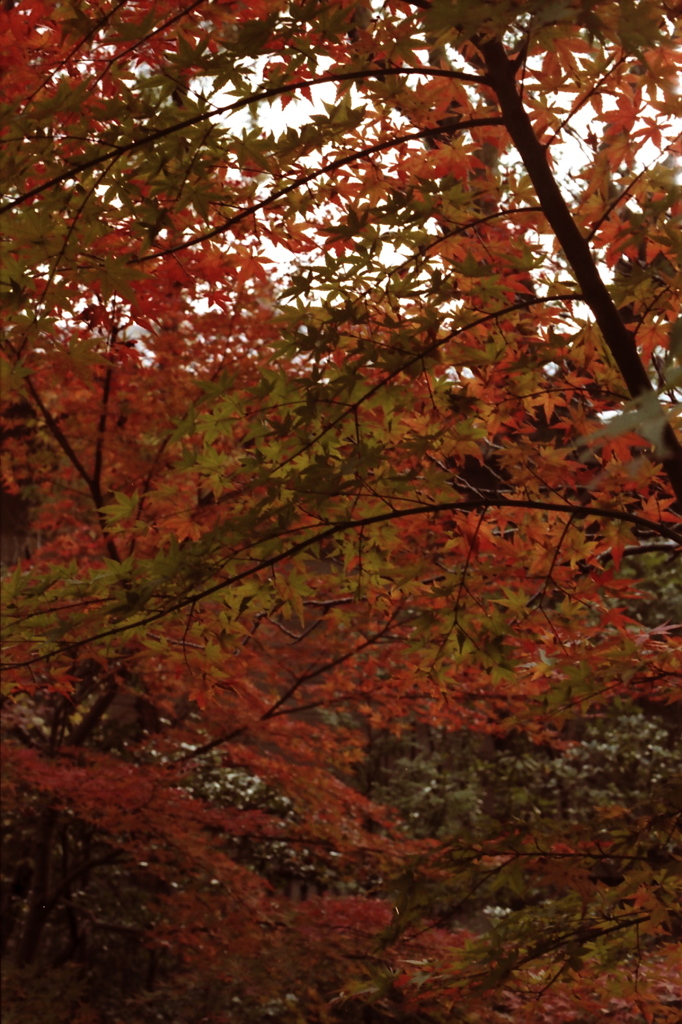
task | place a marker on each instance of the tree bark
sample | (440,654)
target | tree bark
(501,76)
(39,904)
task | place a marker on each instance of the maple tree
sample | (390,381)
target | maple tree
(339,402)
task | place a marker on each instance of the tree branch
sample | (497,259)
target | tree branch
(101,431)
(358,154)
(619,340)
(92,484)
(190,122)
(38,909)
(332,530)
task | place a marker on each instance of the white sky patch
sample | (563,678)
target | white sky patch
(572,151)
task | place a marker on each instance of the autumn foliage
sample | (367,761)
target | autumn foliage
(341,481)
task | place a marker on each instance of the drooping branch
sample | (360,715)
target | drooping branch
(344,526)
(298,183)
(416,359)
(619,340)
(277,709)
(114,152)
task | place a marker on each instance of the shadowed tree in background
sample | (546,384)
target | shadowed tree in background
(341,372)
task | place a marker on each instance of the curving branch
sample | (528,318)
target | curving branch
(343,161)
(116,152)
(325,532)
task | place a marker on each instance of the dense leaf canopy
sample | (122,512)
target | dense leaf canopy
(341,482)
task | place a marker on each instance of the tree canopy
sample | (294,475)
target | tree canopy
(341,486)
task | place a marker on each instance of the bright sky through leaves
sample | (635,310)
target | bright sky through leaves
(341,484)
